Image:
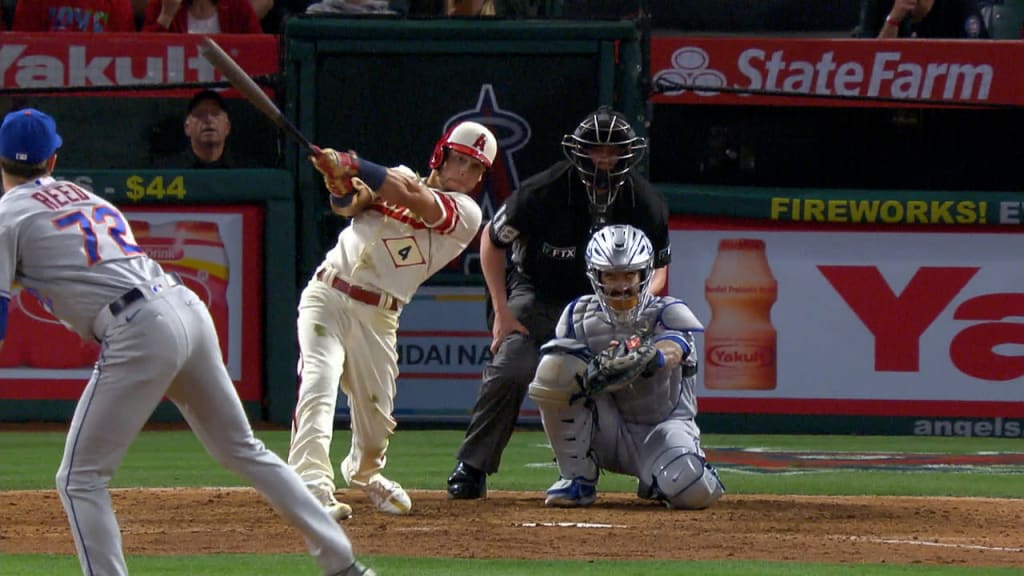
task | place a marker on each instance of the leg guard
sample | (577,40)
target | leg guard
(684,480)
(569,427)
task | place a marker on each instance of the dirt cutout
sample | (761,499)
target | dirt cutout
(892,530)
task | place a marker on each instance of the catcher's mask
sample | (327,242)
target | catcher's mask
(612,253)
(603,148)
(469,138)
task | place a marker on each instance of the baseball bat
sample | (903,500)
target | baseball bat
(227,66)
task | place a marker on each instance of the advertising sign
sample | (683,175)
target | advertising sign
(443,344)
(216,251)
(42,60)
(759,71)
(856,321)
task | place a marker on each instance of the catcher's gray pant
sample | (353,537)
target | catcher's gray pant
(506,378)
(166,344)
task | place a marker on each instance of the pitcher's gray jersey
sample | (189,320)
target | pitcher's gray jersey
(70,248)
(76,252)
(666,393)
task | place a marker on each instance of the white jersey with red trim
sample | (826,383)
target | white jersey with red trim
(388,248)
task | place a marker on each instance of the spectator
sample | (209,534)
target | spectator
(74,16)
(470,7)
(207,126)
(202,17)
(921,19)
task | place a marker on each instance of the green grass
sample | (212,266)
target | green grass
(299,565)
(423,459)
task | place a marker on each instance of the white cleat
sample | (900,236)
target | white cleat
(338,510)
(387,496)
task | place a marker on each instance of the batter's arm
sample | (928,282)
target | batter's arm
(363,197)
(404,190)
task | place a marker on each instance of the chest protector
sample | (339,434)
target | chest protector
(647,400)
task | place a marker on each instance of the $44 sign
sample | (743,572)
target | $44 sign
(157,188)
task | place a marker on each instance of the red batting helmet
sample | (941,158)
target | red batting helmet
(469,138)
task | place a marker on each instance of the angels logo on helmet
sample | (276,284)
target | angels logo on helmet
(471,138)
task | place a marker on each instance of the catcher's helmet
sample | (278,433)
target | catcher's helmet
(470,138)
(620,248)
(603,128)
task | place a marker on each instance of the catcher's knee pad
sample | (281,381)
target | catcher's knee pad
(684,480)
(555,381)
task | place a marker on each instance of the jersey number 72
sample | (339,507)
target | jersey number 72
(116,231)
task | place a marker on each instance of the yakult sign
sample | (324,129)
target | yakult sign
(30,61)
(838,72)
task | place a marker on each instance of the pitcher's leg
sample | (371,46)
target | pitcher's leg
(114,406)
(322,357)
(207,399)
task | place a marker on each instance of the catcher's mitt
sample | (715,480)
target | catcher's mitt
(618,365)
(338,169)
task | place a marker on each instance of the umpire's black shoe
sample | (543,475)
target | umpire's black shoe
(466,483)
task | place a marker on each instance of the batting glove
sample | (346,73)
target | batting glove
(338,168)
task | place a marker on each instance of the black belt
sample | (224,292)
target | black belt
(135,294)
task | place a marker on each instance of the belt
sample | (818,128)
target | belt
(111,311)
(361,294)
(155,286)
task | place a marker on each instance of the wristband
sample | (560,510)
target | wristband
(372,174)
(890,21)
(342,201)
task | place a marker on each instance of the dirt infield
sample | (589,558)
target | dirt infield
(893,530)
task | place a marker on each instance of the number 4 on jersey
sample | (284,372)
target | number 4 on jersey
(404,251)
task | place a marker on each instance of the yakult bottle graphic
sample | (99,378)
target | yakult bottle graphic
(195,251)
(739,342)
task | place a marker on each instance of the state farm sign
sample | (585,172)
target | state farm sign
(842,72)
(30,61)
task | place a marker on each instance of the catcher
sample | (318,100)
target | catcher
(615,387)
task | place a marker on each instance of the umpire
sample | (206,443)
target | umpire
(547,223)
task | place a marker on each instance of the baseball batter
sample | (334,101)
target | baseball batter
(647,426)
(76,252)
(403,230)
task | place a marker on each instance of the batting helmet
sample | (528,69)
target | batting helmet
(604,128)
(469,138)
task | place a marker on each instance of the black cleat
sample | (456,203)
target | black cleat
(466,483)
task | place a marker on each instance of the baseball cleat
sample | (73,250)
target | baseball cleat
(466,483)
(387,496)
(357,569)
(575,493)
(338,510)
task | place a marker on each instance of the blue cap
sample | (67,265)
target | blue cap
(28,136)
